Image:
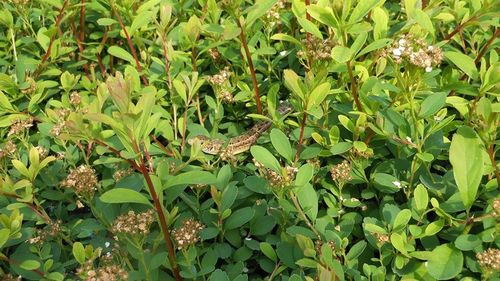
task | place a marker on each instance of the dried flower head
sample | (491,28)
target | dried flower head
(31,82)
(319,244)
(496,207)
(120,174)
(188,234)
(42,235)
(226,96)
(75,98)
(9,148)
(489,259)
(9,277)
(220,78)
(132,223)
(214,54)
(82,180)
(42,151)
(414,51)
(276,180)
(382,238)
(273,17)
(19,126)
(341,172)
(317,49)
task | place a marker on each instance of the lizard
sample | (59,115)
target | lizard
(238,144)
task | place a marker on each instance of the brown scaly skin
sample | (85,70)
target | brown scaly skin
(239,143)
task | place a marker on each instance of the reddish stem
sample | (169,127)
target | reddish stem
(354,87)
(491,154)
(52,38)
(458,28)
(80,46)
(167,61)
(301,136)
(424,4)
(161,214)
(250,65)
(132,48)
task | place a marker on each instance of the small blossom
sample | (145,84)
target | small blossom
(132,223)
(188,234)
(75,98)
(341,172)
(82,180)
(107,244)
(19,126)
(489,259)
(428,69)
(397,184)
(496,207)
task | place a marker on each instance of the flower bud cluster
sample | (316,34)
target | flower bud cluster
(188,234)
(317,49)
(111,272)
(42,235)
(414,51)
(275,179)
(273,17)
(132,223)
(82,180)
(220,78)
(489,259)
(19,126)
(341,172)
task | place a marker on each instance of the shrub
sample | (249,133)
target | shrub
(249,140)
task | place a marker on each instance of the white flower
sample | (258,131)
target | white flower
(107,244)
(408,139)
(428,69)
(248,238)
(397,184)
(402,41)
(282,53)
(430,48)
(396,52)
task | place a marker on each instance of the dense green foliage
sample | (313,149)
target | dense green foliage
(385,169)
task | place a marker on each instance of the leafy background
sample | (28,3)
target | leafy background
(385,169)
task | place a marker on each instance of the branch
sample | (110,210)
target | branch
(131,46)
(52,38)
(250,65)
(354,87)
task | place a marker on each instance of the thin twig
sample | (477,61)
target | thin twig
(354,87)
(52,38)
(301,136)
(491,154)
(250,65)
(131,46)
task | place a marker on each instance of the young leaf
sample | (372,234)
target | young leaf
(464,62)
(446,262)
(121,54)
(363,7)
(282,144)
(466,157)
(124,195)
(265,157)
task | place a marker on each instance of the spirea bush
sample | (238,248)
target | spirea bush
(249,140)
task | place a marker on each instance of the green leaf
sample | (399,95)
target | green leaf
(141,20)
(381,20)
(191,177)
(467,242)
(464,62)
(219,275)
(466,157)
(423,20)
(106,21)
(121,54)
(398,242)
(386,183)
(310,27)
(239,218)
(304,175)
(356,250)
(363,7)
(342,54)
(432,104)
(308,200)
(265,157)
(292,82)
(258,10)
(285,37)
(281,144)
(421,198)
(323,15)
(124,195)
(4,236)
(79,252)
(318,95)
(446,262)
(268,251)
(401,220)
(30,265)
